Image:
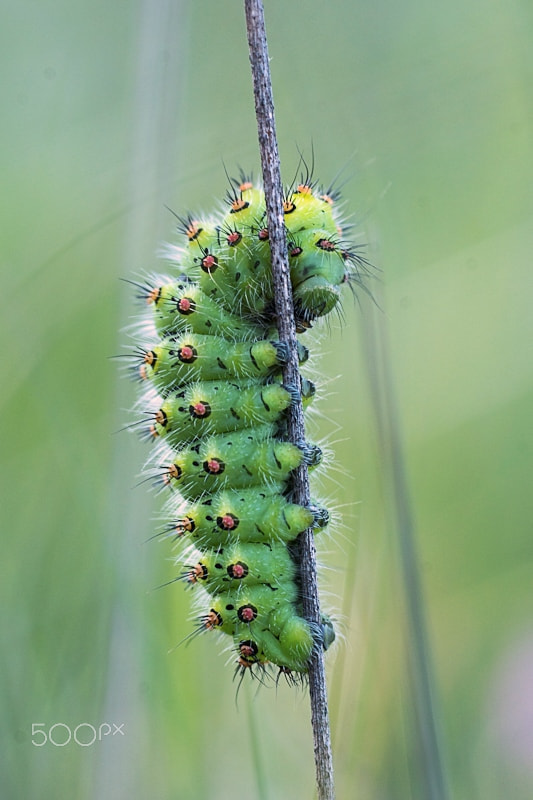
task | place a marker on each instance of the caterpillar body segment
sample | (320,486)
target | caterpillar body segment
(237,459)
(288,642)
(181,306)
(304,210)
(201,238)
(248,609)
(247,515)
(291,654)
(247,207)
(289,638)
(191,357)
(206,407)
(314,298)
(240,564)
(315,254)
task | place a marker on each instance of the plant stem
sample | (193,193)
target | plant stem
(264,109)
(431,761)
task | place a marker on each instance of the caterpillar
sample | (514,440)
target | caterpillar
(215,406)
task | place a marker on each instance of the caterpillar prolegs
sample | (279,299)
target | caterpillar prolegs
(215,405)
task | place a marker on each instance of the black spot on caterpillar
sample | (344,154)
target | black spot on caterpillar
(217,411)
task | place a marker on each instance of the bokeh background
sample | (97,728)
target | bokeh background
(110,111)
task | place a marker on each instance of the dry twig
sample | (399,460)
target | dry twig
(264,108)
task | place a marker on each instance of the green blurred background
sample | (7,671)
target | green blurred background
(111,111)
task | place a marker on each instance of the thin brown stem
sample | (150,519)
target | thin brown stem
(264,109)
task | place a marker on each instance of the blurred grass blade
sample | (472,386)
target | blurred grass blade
(255,747)
(427,758)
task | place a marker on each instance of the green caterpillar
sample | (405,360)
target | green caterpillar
(217,408)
